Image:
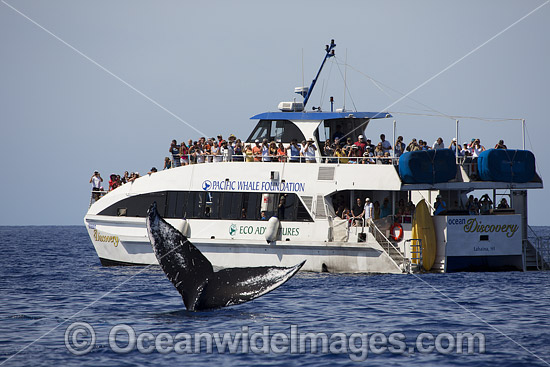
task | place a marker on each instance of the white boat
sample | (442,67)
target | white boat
(218,206)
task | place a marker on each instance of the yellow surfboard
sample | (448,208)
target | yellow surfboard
(423,228)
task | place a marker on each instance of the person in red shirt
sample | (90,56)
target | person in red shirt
(360,143)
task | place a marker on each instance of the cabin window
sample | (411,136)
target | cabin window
(210,205)
(276,130)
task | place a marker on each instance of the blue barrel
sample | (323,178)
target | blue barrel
(506,165)
(427,166)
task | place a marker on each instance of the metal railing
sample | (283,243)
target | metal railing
(387,245)
(216,158)
(542,250)
(96,195)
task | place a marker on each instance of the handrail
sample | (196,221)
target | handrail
(210,158)
(542,249)
(386,242)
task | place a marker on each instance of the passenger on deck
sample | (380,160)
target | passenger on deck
(438,144)
(167,163)
(453,147)
(360,143)
(425,145)
(440,206)
(216,152)
(96,181)
(294,151)
(199,153)
(387,158)
(232,141)
(500,145)
(175,151)
(399,147)
(367,156)
(353,154)
(357,212)
(249,154)
(273,152)
(485,204)
(466,150)
(379,153)
(184,151)
(237,151)
(413,146)
(477,148)
(281,152)
(126,175)
(341,156)
(308,151)
(226,152)
(369,145)
(471,206)
(386,145)
(368,212)
(257,151)
(328,150)
(265,151)
(263,216)
(503,204)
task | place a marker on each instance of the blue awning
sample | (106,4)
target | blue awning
(319,115)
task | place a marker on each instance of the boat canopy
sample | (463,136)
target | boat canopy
(316,116)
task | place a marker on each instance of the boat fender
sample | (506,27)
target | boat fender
(184,228)
(399,236)
(271,229)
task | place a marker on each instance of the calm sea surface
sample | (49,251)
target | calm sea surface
(50,279)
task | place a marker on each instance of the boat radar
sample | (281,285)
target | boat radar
(306,91)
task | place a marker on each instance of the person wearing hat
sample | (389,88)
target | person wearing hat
(232,140)
(438,144)
(308,151)
(453,146)
(257,151)
(440,207)
(360,144)
(368,212)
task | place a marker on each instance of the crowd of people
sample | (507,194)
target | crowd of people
(339,149)
(484,205)
(114,181)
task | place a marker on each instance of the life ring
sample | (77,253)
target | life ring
(399,236)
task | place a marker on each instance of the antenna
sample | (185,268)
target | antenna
(329,53)
(345,79)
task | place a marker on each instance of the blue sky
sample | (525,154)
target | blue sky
(215,64)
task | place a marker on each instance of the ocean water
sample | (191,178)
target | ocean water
(52,288)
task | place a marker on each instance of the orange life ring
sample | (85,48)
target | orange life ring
(399,236)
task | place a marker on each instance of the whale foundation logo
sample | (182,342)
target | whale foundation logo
(232,229)
(206,185)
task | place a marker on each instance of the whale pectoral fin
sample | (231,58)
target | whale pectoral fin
(233,286)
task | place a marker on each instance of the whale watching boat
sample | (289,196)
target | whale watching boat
(281,212)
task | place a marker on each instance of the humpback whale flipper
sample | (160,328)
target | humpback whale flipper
(194,277)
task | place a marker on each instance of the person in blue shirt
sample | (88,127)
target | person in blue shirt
(440,206)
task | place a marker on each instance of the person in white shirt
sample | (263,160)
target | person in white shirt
(368,212)
(386,145)
(226,152)
(308,151)
(438,144)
